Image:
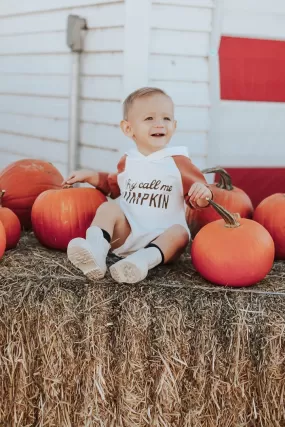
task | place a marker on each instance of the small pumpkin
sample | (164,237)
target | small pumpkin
(224,193)
(232,251)
(11,224)
(59,216)
(23,181)
(271,214)
(2,240)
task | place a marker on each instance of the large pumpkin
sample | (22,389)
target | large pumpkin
(11,224)
(23,181)
(271,214)
(61,215)
(2,239)
(232,198)
(232,251)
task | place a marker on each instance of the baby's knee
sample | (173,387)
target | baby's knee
(181,234)
(110,209)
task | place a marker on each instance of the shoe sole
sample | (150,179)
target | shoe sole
(126,272)
(82,259)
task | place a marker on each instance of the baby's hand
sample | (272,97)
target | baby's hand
(78,176)
(199,191)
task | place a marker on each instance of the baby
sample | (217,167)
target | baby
(153,183)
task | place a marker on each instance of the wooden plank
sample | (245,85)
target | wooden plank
(59,86)
(102,87)
(58,108)
(34,147)
(91,63)
(101,63)
(168,67)
(186,94)
(35,85)
(103,136)
(252,24)
(179,43)
(35,106)
(192,119)
(97,16)
(14,7)
(189,3)
(35,126)
(196,142)
(256,6)
(136,48)
(255,131)
(101,111)
(98,159)
(36,64)
(171,17)
(108,39)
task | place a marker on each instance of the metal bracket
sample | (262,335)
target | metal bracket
(75,24)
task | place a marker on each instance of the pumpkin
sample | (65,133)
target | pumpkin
(59,216)
(2,239)
(23,181)
(11,224)
(232,251)
(271,214)
(224,193)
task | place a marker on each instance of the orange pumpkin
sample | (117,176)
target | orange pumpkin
(23,181)
(232,198)
(11,224)
(271,214)
(232,251)
(2,240)
(61,215)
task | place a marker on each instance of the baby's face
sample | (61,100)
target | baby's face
(152,124)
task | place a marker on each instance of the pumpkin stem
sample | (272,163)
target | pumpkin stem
(225,182)
(231,219)
(2,192)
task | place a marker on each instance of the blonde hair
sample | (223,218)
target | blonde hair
(139,93)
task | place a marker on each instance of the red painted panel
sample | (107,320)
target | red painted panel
(258,183)
(252,69)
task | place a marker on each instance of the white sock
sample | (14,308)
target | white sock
(97,241)
(151,256)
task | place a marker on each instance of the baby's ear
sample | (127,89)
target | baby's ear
(126,128)
(175,124)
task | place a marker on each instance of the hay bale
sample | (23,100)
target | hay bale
(173,350)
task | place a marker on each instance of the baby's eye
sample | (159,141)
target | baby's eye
(167,118)
(148,118)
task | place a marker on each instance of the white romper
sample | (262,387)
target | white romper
(152,191)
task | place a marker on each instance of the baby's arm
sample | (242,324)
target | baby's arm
(103,181)
(195,187)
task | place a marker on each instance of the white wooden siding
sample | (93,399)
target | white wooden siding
(250,133)
(178,63)
(50,64)
(35,81)
(257,19)
(14,7)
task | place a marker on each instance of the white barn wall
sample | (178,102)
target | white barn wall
(178,63)
(35,81)
(249,133)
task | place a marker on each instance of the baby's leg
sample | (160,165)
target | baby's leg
(165,248)
(172,242)
(110,218)
(89,255)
